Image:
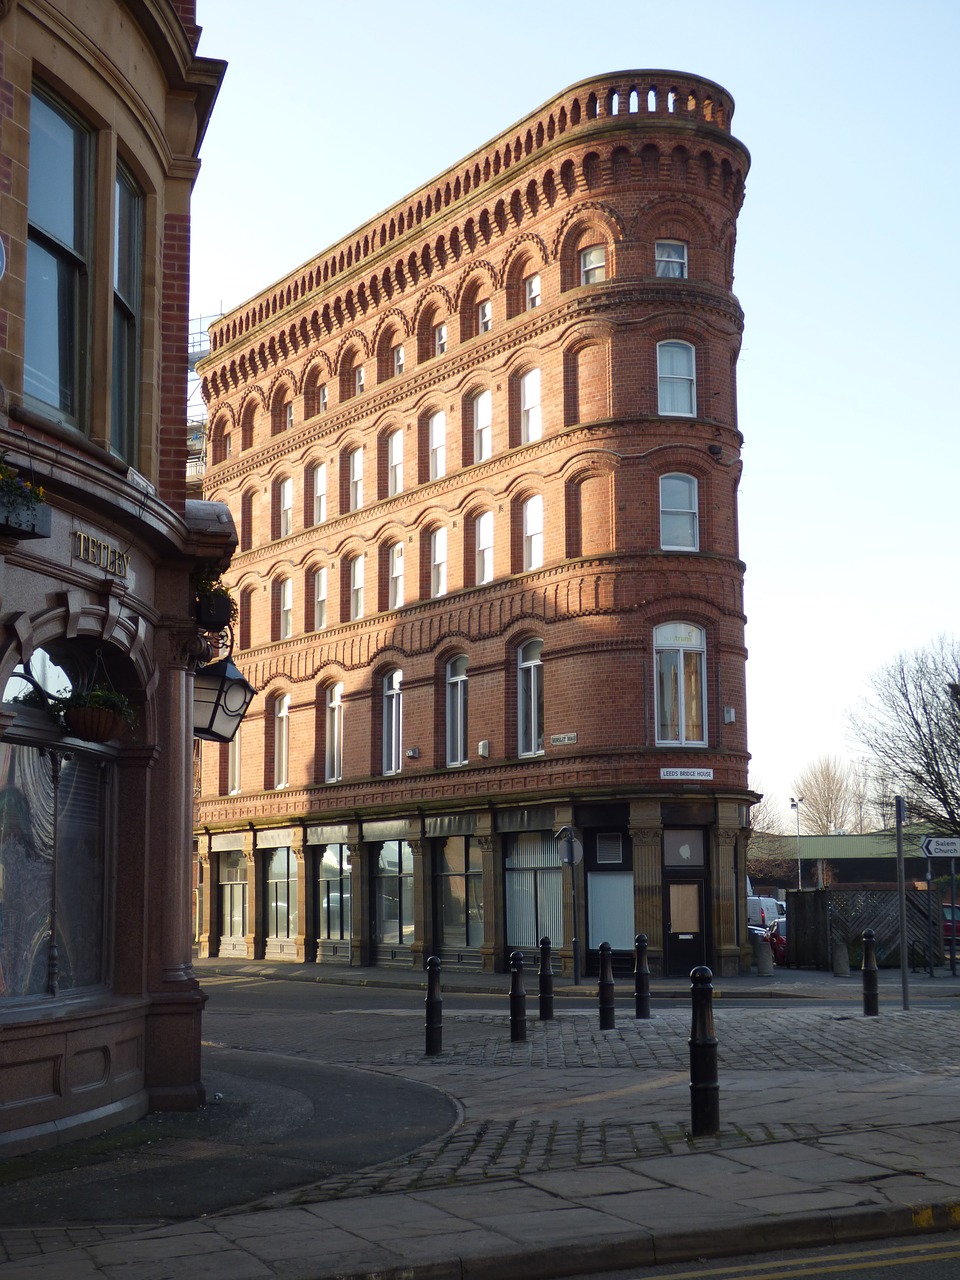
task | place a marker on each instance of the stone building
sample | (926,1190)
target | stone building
(102,110)
(483,457)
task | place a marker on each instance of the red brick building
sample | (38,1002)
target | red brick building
(483,456)
(102,110)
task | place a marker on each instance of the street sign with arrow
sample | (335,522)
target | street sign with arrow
(941,846)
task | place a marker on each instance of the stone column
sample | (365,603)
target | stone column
(360,923)
(493,947)
(423,933)
(647,841)
(254,935)
(306,900)
(209,941)
(730,953)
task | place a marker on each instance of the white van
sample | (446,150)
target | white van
(762,912)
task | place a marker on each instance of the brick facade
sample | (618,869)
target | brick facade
(524,291)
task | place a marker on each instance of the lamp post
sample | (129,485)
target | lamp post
(795,803)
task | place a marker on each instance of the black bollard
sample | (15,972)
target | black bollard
(871,997)
(608,1013)
(704,1084)
(641,977)
(518,998)
(545,975)
(434,1023)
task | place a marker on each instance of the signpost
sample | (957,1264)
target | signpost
(947,847)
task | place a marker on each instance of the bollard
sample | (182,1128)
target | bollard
(704,1085)
(871,997)
(518,998)
(641,977)
(545,976)
(434,1023)
(608,1013)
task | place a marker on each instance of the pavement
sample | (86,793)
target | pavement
(331,1146)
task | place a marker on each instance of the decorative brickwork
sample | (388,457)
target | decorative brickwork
(520,387)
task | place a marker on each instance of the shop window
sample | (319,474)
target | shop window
(280,898)
(393,895)
(680,694)
(533,885)
(333,893)
(233,901)
(459,876)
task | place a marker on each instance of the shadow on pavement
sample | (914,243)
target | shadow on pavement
(271,1123)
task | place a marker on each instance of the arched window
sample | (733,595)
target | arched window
(353,471)
(438,562)
(483,533)
(285,507)
(456,706)
(680,694)
(395,576)
(394,463)
(392,721)
(530,423)
(320,598)
(354,576)
(679,529)
(333,765)
(315,494)
(437,444)
(676,379)
(530,699)
(593,264)
(281,742)
(284,608)
(533,532)
(482,406)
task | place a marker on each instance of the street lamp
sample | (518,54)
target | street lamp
(795,804)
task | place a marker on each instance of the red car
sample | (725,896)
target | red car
(777,933)
(951,916)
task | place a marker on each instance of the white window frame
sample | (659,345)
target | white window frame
(675,518)
(320,493)
(440,338)
(288,415)
(394,463)
(530,699)
(531,423)
(333,711)
(285,498)
(676,385)
(437,444)
(670,259)
(393,721)
(532,295)
(680,696)
(322,396)
(438,562)
(532,512)
(320,598)
(482,426)
(285,596)
(355,463)
(359,380)
(281,742)
(398,359)
(483,533)
(356,588)
(593,264)
(456,712)
(395,576)
(484,315)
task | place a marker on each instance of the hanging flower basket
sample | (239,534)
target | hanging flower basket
(214,610)
(24,520)
(94,724)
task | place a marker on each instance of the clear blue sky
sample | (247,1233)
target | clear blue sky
(847,266)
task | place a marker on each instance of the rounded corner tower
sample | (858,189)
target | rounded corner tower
(483,454)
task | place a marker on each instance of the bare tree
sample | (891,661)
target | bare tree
(911,726)
(770,853)
(863,798)
(825,788)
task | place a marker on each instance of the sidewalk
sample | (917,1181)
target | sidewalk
(571,1155)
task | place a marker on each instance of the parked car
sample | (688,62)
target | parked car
(762,911)
(951,917)
(777,934)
